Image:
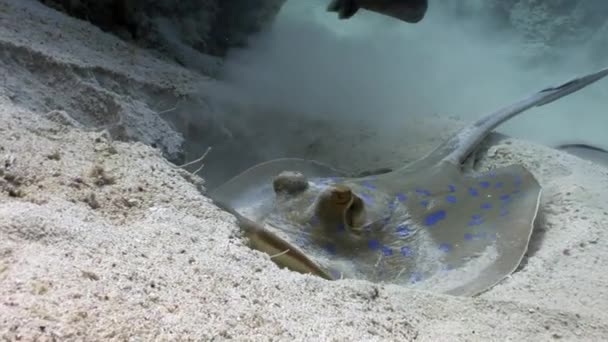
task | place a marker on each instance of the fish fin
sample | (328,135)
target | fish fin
(345,8)
(334,6)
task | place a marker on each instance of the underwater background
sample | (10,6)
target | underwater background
(370,91)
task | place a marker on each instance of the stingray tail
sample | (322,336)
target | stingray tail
(459,147)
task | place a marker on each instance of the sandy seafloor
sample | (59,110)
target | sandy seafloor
(106,240)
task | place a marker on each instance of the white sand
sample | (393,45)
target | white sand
(135,252)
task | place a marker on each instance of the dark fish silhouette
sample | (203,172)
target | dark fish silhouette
(410,11)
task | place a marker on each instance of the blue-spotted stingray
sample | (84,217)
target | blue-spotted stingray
(427,225)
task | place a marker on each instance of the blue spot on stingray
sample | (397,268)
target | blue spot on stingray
(484,184)
(368,185)
(498,185)
(415,277)
(505,197)
(516,191)
(517,180)
(330,248)
(423,192)
(451,188)
(476,220)
(486,206)
(403,230)
(468,236)
(387,251)
(450,199)
(445,247)
(473,192)
(504,212)
(424,203)
(405,251)
(373,244)
(433,218)
(401,197)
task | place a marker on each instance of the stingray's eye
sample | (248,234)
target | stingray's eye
(290,182)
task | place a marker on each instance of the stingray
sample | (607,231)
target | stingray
(594,154)
(427,225)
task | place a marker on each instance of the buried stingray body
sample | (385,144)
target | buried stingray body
(426,225)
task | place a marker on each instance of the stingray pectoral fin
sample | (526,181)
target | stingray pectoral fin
(488,224)
(282,253)
(256,183)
